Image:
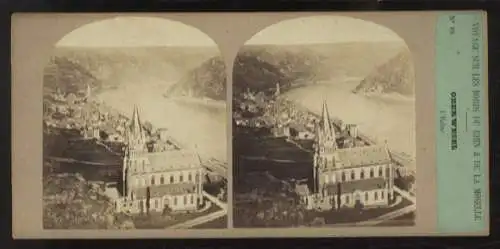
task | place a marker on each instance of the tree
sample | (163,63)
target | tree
(166,209)
(358,205)
(148,198)
(339,191)
(103,135)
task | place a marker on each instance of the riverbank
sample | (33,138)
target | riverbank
(197,126)
(384,117)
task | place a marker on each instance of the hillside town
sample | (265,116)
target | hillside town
(340,168)
(102,163)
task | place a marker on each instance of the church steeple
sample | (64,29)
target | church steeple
(135,126)
(89,91)
(326,134)
(136,136)
(326,124)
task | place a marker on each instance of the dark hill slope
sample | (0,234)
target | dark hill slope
(259,67)
(68,76)
(207,80)
(395,76)
(112,67)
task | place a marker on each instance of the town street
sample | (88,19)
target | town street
(406,195)
(388,216)
(199,220)
(215,200)
(206,218)
(396,213)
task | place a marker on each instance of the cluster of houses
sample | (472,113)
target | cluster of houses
(78,111)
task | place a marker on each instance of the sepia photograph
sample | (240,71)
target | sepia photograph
(324,126)
(134,128)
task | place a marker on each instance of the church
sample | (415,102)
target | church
(157,180)
(347,176)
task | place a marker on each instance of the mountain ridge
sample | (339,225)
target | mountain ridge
(306,64)
(394,76)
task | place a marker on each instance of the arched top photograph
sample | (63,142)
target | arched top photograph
(314,97)
(134,101)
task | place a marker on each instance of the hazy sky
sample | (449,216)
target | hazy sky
(134,32)
(323,29)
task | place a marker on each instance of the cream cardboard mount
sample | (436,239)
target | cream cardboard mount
(280,125)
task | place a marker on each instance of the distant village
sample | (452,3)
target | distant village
(283,117)
(94,119)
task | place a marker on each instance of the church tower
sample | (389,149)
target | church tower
(88,93)
(325,145)
(134,150)
(327,141)
(136,136)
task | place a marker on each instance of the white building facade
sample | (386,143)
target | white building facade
(348,177)
(158,181)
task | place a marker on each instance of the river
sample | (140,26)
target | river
(388,117)
(197,124)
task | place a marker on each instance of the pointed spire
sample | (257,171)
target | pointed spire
(386,147)
(325,119)
(89,91)
(136,125)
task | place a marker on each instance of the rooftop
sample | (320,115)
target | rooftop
(112,193)
(172,160)
(352,186)
(363,155)
(302,189)
(167,189)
